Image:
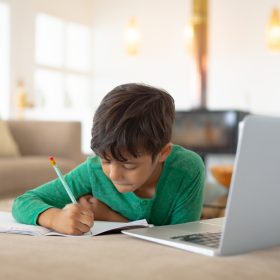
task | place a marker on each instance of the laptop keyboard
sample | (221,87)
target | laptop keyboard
(210,239)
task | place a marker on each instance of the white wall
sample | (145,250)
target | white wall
(242,72)
(162,62)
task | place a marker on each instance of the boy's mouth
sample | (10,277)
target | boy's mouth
(122,184)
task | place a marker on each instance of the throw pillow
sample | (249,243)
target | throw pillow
(8,146)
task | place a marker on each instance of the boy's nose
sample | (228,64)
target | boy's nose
(115,173)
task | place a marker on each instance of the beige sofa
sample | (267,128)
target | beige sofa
(37,140)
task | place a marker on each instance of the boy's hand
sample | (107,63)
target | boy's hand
(74,219)
(101,211)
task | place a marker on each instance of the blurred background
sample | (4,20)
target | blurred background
(58,58)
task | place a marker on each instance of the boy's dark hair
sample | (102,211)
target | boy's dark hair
(132,119)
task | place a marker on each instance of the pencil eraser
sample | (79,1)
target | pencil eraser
(52,161)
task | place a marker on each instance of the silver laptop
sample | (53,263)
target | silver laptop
(252,219)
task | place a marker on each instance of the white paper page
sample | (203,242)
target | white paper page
(100,226)
(9,225)
(104,226)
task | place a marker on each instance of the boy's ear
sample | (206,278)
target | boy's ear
(165,151)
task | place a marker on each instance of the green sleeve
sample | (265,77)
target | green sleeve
(190,199)
(27,207)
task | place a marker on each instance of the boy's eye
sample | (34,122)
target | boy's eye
(130,166)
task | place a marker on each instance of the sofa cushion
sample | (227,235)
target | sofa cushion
(8,146)
(18,175)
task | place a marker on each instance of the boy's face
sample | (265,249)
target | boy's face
(135,173)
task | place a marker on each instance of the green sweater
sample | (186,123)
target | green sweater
(178,197)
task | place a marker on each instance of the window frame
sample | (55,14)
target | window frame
(64,69)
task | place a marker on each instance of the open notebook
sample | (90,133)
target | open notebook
(9,225)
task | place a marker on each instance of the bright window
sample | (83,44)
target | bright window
(49,41)
(62,55)
(4,60)
(77,47)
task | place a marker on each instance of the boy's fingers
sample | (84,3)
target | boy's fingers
(72,207)
(87,196)
(86,220)
(83,227)
(92,200)
(82,208)
(76,232)
(84,202)
(87,212)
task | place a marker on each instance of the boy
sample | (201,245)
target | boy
(136,173)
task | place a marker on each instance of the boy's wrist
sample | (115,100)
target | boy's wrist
(47,218)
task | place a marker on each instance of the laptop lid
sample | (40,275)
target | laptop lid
(253,213)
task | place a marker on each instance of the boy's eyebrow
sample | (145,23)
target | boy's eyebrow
(125,162)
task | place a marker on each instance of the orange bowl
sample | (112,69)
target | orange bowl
(222,174)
